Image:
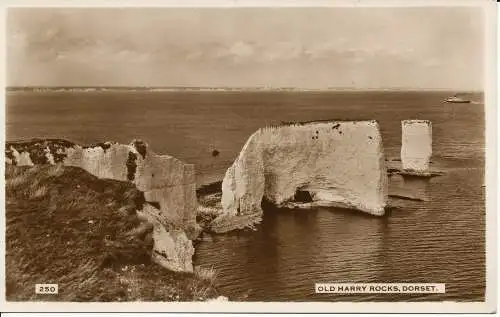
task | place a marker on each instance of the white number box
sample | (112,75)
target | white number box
(46,288)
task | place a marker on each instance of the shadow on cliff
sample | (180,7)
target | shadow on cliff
(66,226)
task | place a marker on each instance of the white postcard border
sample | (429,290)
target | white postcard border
(293,307)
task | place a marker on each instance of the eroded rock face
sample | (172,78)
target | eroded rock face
(168,184)
(416,145)
(332,163)
(21,159)
(173,249)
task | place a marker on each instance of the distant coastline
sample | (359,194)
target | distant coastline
(235,89)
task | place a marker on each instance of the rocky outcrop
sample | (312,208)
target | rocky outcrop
(330,163)
(172,248)
(416,146)
(168,185)
(409,187)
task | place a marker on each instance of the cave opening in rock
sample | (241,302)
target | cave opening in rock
(302,196)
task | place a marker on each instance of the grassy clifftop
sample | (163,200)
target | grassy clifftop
(66,226)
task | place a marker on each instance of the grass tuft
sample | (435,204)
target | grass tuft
(38,191)
(55,170)
(206,274)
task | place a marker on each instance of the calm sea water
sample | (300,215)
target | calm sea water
(440,240)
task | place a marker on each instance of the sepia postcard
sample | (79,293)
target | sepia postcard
(249,156)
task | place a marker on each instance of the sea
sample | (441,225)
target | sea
(440,239)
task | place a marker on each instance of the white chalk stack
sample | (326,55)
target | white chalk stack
(416,147)
(330,163)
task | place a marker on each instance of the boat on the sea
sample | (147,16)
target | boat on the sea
(456,99)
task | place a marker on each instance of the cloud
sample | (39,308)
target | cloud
(241,49)
(277,47)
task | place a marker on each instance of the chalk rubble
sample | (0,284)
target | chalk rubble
(338,163)
(168,185)
(218,299)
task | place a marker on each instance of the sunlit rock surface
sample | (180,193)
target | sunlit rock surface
(168,184)
(416,145)
(22,159)
(329,163)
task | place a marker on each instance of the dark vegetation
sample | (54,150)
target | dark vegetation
(141,147)
(103,145)
(37,149)
(9,154)
(131,166)
(56,142)
(66,226)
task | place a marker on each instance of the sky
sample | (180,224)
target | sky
(356,48)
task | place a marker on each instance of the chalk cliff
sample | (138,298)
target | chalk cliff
(331,163)
(168,184)
(416,145)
